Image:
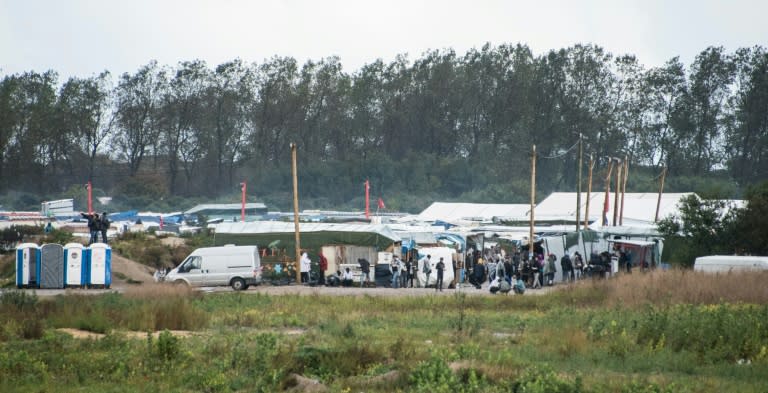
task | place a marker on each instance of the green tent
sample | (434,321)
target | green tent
(313,236)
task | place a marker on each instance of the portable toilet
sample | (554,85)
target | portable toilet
(100,265)
(51,266)
(27,265)
(75,272)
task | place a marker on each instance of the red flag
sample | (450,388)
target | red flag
(381,204)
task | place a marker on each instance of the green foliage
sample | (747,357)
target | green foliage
(751,223)
(435,127)
(58,236)
(250,342)
(704,227)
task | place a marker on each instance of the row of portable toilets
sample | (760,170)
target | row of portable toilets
(73,265)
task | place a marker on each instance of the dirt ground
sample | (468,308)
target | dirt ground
(136,272)
(130,270)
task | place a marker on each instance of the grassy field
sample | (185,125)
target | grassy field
(663,332)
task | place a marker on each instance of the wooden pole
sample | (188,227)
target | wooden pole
(618,191)
(296,211)
(624,189)
(578,189)
(533,203)
(661,191)
(242,202)
(606,199)
(589,191)
(90,197)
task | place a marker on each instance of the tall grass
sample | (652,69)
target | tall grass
(681,286)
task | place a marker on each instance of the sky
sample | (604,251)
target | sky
(82,38)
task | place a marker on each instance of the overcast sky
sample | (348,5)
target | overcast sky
(85,37)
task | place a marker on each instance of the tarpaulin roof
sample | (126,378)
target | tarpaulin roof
(313,235)
(455,212)
(226,207)
(638,207)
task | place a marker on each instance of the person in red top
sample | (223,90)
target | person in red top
(323,268)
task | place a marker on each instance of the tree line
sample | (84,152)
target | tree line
(443,126)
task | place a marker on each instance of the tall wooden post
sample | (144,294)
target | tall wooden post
(89,186)
(589,191)
(296,212)
(242,202)
(618,191)
(533,203)
(607,198)
(578,190)
(661,191)
(624,189)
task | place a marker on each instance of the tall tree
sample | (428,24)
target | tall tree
(138,97)
(87,113)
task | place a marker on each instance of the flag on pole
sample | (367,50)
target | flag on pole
(381,204)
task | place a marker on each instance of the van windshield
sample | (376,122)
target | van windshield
(192,262)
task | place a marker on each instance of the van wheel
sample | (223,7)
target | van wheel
(238,284)
(180,283)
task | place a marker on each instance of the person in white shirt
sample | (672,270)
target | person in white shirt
(346,278)
(305,264)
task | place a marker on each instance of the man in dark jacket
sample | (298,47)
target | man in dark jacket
(365,267)
(439,267)
(104,224)
(567,266)
(93,230)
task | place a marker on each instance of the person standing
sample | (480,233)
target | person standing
(92,226)
(567,266)
(550,269)
(104,225)
(394,267)
(578,267)
(405,272)
(365,267)
(440,267)
(425,266)
(323,267)
(305,265)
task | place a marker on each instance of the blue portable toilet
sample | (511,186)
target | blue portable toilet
(99,265)
(51,266)
(27,265)
(75,273)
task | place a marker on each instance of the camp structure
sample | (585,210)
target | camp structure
(228,211)
(467,213)
(341,244)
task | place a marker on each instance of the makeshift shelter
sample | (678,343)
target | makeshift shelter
(339,243)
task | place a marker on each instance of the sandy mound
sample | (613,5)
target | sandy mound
(127,272)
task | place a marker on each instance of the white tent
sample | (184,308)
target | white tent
(639,208)
(472,212)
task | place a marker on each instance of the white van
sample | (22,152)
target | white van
(236,266)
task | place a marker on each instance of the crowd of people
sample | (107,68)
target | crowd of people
(504,272)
